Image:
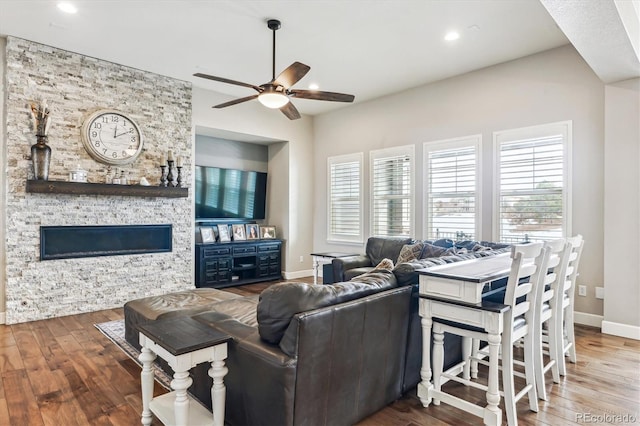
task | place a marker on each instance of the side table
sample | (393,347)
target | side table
(325,258)
(183,343)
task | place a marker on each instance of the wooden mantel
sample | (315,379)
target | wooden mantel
(77,188)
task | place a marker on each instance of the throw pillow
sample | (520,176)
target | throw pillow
(443,242)
(480,247)
(468,244)
(384,265)
(431,250)
(410,252)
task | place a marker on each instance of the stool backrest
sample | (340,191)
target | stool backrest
(577,244)
(528,260)
(552,287)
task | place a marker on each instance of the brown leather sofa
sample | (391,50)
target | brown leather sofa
(304,354)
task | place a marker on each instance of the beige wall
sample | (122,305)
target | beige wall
(622,209)
(290,197)
(552,86)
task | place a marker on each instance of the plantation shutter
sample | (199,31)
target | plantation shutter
(532,188)
(392,192)
(345,198)
(451,192)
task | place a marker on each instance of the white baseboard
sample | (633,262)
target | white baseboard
(588,319)
(622,330)
(3,317)
(297,274)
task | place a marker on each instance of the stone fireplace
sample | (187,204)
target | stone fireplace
(75,86)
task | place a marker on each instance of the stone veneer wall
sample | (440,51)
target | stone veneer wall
(75,86)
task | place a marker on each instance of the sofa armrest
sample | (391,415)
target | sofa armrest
(256,368)
(359,349)
(343,264)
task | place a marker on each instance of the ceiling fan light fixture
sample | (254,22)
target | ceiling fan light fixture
(273,100)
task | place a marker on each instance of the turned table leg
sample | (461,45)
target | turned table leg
(218,391)
(146,357)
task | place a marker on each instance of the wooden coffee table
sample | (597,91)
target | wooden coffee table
(184,343)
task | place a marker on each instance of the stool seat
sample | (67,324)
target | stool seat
(172,305)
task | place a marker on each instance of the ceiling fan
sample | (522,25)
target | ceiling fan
(277,93)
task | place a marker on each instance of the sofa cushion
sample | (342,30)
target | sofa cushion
(280,302)
(350,274)
(410,252)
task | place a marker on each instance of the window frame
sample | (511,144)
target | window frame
(563,128)
(389,153)
(472,141)
(342,159)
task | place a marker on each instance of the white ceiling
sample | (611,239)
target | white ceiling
(369,48)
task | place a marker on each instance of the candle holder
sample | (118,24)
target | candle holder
(163,177)
(179,178)
(170,173)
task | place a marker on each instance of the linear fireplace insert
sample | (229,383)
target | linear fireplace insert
(64,242)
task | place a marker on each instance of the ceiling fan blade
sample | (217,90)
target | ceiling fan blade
(290,111)
(226,80)
(236,101)
(321,96)
(292,74)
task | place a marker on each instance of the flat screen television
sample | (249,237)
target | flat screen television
(229,193)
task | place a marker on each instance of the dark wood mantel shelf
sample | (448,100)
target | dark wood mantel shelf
(77,188)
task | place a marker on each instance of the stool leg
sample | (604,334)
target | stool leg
(466,357)
(507,382)
(475,348)
(438,359)
(529,371)
(538,359)
(571,336)
(553,350)
(146,357)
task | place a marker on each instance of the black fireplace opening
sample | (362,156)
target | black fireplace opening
(65,242)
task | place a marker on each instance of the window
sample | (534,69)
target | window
(451,184)
(345,198)
(533,186)
(392,191)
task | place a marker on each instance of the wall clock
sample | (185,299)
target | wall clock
(112,137)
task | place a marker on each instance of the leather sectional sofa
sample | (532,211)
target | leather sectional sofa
(304,354)
(420,255)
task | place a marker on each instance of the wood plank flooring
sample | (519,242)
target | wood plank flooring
(63,371)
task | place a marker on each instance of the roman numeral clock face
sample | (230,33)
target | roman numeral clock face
(112,137)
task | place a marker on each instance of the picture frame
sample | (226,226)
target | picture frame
(253,233)
(207,235)
(267,232)
(238,232)
(223,233)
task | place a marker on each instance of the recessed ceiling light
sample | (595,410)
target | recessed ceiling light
(452,35)
(314,86)
(67,7)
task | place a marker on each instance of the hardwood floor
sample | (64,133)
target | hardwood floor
(63,371)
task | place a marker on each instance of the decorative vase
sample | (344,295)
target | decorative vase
(41,156)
